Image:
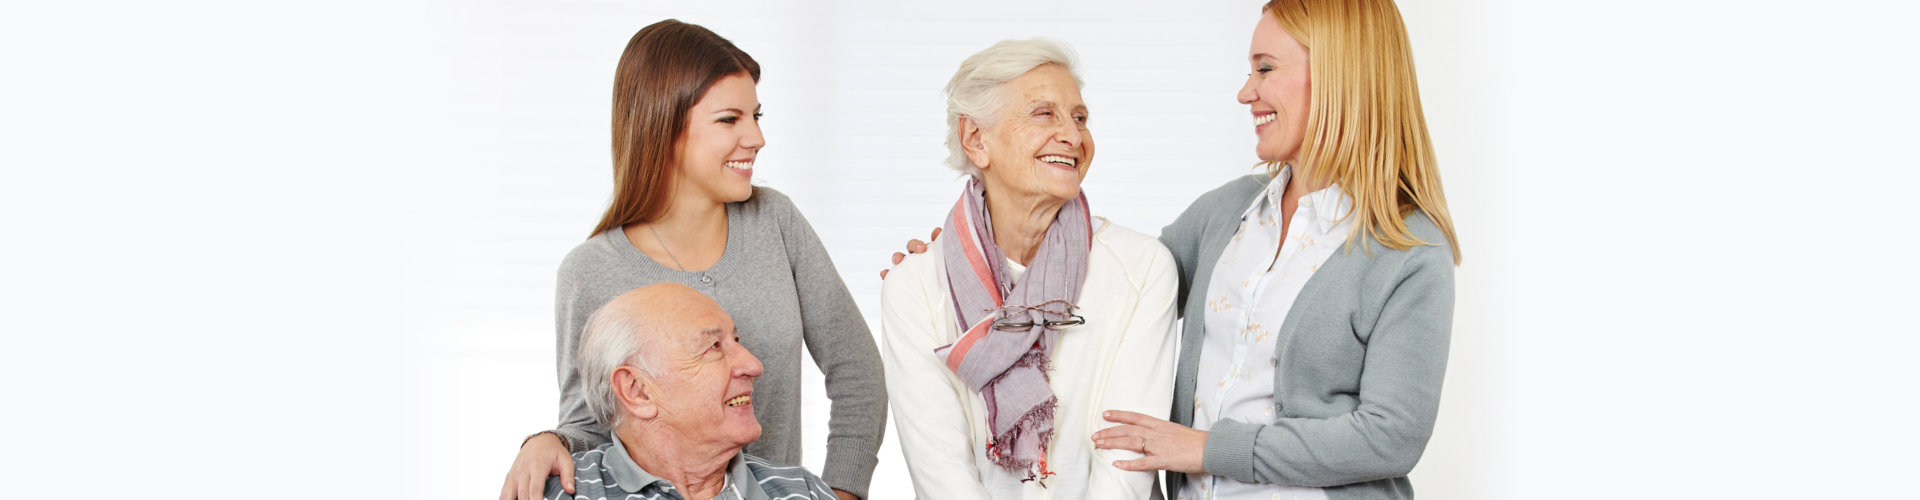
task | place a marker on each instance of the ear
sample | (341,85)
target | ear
(973,140)
(635,391)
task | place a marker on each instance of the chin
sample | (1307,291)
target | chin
(741,194)
(748,436)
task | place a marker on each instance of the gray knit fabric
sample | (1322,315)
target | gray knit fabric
(1361,356)
(777,283)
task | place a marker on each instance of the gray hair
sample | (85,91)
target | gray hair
(975,90)
(612,340)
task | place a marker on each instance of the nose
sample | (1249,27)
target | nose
(753,140)
(745,364)
(1071,135)
(1247,94)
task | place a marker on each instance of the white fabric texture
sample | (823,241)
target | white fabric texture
(1121,359)
(1252,290)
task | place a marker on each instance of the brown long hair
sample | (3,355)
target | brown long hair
(666,68)
(1365,127)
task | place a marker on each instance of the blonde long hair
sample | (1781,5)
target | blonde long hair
(1365,127)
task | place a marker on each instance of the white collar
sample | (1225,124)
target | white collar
(1328,206)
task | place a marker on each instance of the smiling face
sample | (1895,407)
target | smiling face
(1038,144)
(703,391)
(1278,91)
(722,139)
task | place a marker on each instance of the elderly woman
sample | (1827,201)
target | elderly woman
(1004,345)
(1311,368)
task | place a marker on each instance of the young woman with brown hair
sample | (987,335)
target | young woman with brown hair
(685,136)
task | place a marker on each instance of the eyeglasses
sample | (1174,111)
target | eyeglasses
(1014,326)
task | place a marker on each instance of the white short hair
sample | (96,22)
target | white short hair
(975,90)
(612,339)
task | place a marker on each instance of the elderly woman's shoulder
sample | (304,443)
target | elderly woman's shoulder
(1130,245)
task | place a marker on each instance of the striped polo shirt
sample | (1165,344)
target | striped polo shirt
(609,472)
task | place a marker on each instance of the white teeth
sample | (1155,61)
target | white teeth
(743,165)
(1264,119)
(740,401)
(1058,159)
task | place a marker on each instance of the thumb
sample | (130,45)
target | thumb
(566,473)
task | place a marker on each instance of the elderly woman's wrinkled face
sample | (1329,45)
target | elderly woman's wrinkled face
(1038,145)
(1278,90)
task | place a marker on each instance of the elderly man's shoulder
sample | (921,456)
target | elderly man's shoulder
(589,477)
(787,481)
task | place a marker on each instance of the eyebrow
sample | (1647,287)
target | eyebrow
(1051,104)
(737,111)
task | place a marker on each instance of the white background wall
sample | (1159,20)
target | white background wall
(306,250)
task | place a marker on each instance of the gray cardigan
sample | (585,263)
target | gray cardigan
(775,280)
(1360,358)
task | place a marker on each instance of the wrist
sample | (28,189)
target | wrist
(556,436)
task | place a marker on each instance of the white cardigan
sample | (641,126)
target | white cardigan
(1121,359)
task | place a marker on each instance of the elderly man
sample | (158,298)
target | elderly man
(662,366)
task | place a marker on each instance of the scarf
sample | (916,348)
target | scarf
(1008,366)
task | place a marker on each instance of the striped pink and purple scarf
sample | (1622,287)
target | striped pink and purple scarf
(1007,364)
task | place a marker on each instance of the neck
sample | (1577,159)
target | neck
(697,471)
(1020,222)
(691,218)
(1300,184)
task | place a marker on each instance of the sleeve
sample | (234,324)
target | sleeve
(1139,379)
(1182,239)
(843,348)
(1406,358)
(928,400)
(577,425)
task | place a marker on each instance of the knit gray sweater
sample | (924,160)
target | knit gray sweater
(1360,358)
(777,283)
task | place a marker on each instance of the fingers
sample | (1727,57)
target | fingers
(508,490)
(936,234)
(916,247)
(532,489)
(1119,431)
(883,274)
(897,256)
(566,473)
(1138,464)
(1130,418)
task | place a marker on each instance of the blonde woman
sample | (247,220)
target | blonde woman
(1317,297)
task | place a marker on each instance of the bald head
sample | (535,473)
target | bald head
(637,328)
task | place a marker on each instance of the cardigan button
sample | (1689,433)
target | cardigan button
(706,279)
(1273,361)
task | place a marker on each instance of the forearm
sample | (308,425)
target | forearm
(1399,398)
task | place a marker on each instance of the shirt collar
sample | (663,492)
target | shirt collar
(1328,207)
(632,478)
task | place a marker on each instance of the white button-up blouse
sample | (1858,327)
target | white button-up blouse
(1252,289)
